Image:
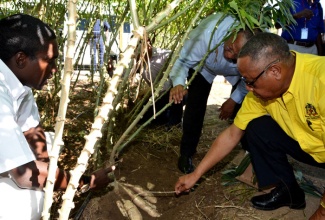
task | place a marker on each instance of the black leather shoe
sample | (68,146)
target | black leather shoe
(185,164)
(280,196)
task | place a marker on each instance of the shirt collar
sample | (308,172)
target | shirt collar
(11,81)
(294,85)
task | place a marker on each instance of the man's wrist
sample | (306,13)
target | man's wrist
(84,180)
(322,203)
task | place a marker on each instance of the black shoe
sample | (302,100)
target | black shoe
(185,164)
(280,196)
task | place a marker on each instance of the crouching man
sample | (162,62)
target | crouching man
(27,60)
(283,114)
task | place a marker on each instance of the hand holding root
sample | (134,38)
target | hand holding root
(185,183)
(102,177)
(319,214)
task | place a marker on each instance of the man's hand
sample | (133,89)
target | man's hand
(319,214)
(177,93)
(306,13)
(185,183)
(227,109)
(101,178)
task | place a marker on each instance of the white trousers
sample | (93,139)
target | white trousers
(21,204)
(17,203)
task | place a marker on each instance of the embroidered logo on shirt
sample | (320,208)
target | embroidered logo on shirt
(311,113)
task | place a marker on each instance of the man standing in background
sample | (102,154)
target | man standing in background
(221,61)
(306,35)
(98,41)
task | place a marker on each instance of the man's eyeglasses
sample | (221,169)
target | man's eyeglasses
(251,83)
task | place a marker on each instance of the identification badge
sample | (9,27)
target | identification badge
(304,33)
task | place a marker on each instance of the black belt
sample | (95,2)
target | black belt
(301,43)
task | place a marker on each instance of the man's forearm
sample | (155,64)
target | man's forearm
(37,142)
(33,175)
(220,148)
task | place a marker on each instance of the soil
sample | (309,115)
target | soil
(152,159)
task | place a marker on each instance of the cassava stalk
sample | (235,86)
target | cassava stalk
(58,143)
(163,14)
(158,18)
(117,147)
(95,132)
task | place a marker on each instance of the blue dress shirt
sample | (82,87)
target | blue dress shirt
(196,47)
(315,25)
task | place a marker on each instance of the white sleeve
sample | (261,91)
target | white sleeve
(14,149)
(28,115)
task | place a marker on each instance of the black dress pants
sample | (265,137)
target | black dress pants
(194,113)
(269,146)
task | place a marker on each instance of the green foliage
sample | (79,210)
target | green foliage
(260,13)
(229,176)
(307,185)
(249,13)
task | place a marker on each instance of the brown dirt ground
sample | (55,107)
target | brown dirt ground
(152,159)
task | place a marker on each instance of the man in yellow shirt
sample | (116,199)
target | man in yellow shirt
(283,114)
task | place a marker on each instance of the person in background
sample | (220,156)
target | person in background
(27,60)
(221,61)
(158,59)
(306,35)
(283,114)
(99,28)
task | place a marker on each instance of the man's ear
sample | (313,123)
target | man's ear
(276,72)
(20,59)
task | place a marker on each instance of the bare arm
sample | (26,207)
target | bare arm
(33,176)
(221,147)
(306,13)
(37,142)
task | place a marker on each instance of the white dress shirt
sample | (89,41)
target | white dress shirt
(18,113)
(157,62)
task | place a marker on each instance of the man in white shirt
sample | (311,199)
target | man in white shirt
(159,59)
(27,60)
(222,61)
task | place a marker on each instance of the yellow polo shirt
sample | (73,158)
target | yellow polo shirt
(300,111)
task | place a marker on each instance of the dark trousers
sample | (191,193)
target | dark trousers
(269,146)
(170,117)
(196,103)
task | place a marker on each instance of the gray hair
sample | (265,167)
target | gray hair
(265,46)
